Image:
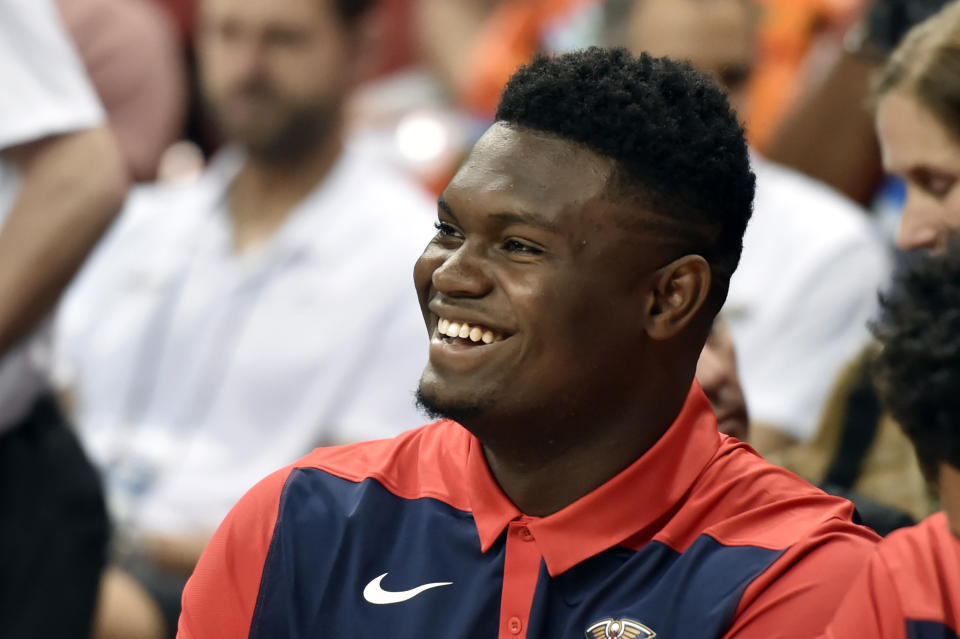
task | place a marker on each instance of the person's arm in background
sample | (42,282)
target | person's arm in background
(829,134)
(71,187)
(135,61)
(64,178)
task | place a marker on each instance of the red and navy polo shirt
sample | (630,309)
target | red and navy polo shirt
(412,538)
(910,589)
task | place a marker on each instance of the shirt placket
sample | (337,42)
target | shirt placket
(520,571)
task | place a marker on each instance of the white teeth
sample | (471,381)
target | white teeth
(463,330)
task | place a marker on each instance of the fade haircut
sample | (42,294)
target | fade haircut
(679,150)
(918,365)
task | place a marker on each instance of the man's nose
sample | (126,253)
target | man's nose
(462,274)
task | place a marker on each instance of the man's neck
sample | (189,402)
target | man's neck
(540,486)
(266,191)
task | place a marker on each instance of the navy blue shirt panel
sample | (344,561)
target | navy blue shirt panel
(334,536)
(929,630)
(693,594)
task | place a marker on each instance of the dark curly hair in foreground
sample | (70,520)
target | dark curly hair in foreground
(918,366)
(679,147)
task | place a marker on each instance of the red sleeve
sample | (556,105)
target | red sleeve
(872,607)
(798,595)
(220,597)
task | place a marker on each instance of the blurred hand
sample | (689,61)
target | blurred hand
(717,374)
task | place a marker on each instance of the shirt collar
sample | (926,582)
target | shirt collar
(628,504)
(306,229)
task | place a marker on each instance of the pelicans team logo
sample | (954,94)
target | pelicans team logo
(619,629)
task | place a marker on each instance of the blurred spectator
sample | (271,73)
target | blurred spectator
(228,325)
(474,45)
(61,182)
(807,282)
(132,54)
(717,374)
(910,587)
(918,124)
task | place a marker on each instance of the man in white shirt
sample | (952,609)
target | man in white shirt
(229,325)
(61,182)
(812,263)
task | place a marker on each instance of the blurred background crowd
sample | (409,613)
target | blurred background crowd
(212,209)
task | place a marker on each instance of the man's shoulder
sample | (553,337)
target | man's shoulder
(743,500)
(910,588)
(920,561)
(426,462)
(804,545)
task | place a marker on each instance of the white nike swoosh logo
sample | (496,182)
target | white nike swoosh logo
(375,594)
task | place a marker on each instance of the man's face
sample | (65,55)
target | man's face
(715,36)
(918,148)
(274,74)
(529,253)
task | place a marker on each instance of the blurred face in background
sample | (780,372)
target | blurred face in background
(274,73)
(717,374)
(918,147)
(716,36)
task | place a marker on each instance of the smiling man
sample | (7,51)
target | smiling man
(576,484)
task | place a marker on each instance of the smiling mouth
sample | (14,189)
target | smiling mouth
(452,331)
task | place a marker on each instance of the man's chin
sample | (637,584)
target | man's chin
(460,411)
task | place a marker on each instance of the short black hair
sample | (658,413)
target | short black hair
(918,363)
(679,148)
(350,11)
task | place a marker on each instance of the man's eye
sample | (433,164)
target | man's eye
(445,230)
(937,184)
(940,186)
(516,246)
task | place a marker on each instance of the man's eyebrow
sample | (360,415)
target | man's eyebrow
(921,169)
(528,218)
(445,207)
(505,218)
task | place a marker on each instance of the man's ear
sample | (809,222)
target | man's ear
(678,292)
